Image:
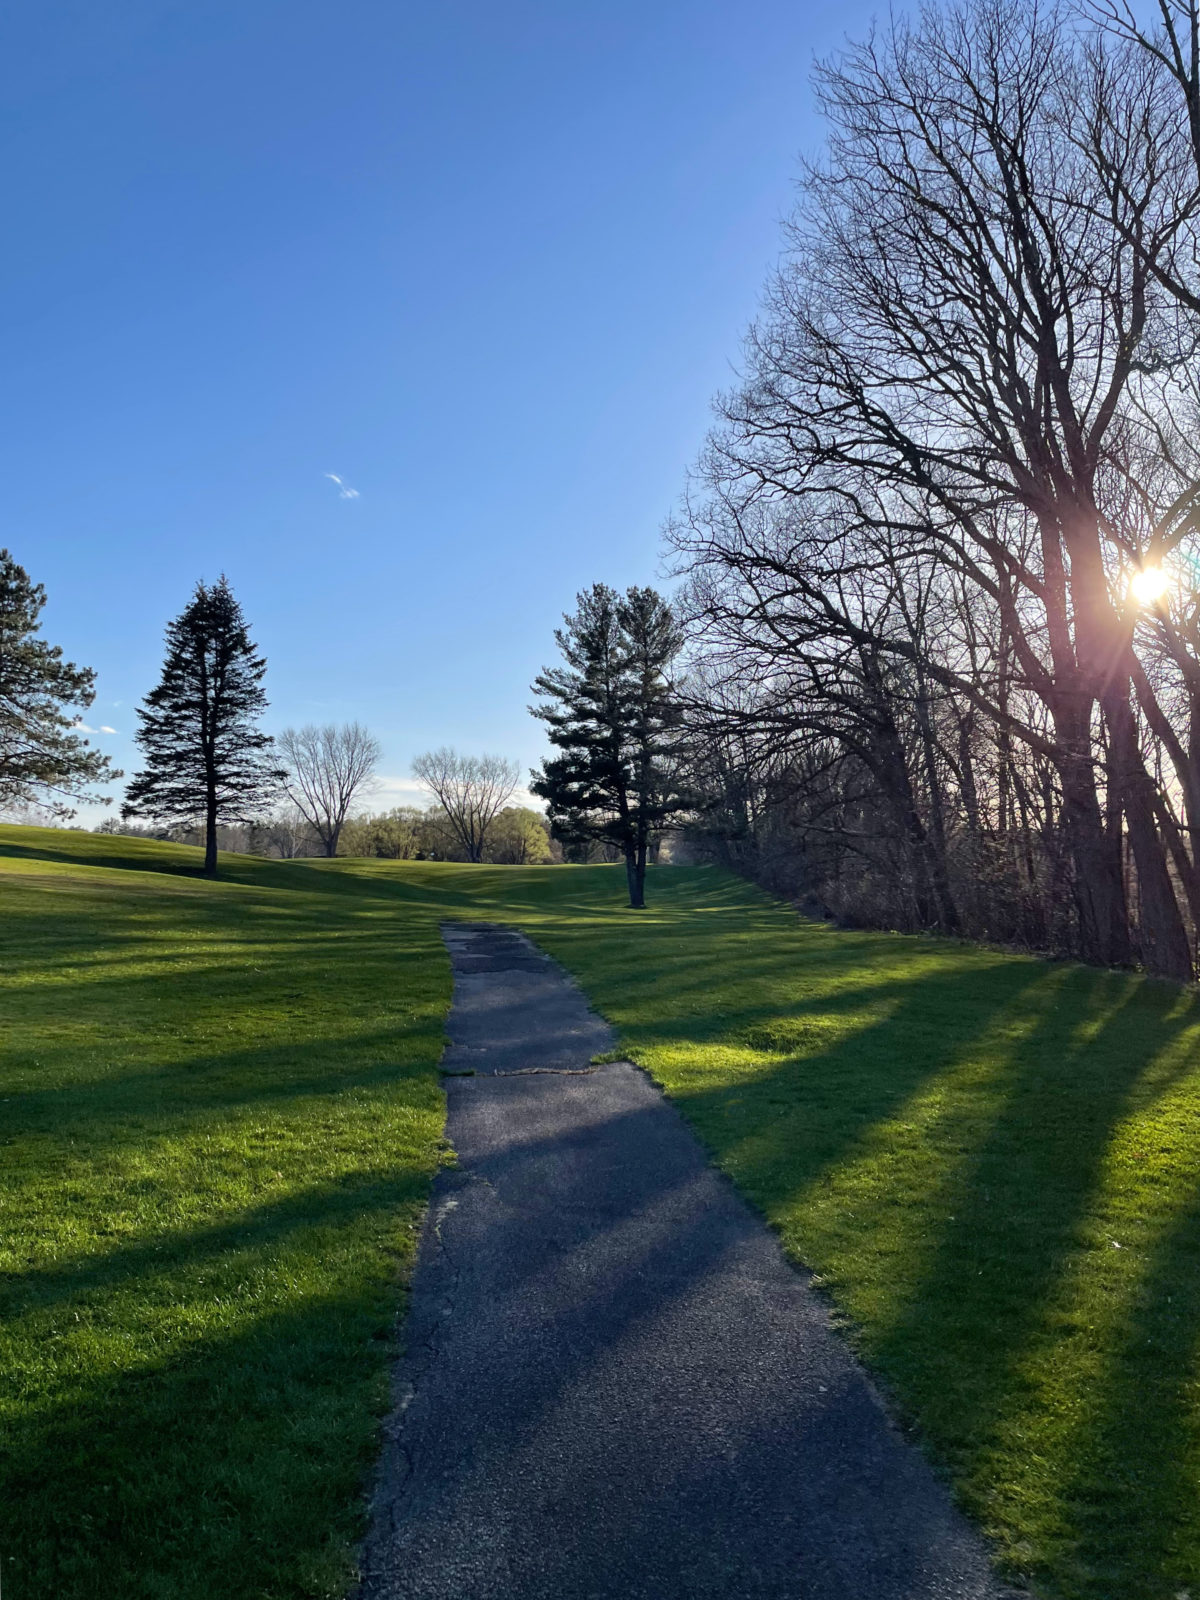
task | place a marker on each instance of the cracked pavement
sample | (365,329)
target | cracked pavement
(614,1384)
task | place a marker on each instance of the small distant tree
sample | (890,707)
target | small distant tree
(611,714)
(205,755)
(44,759)
(520,837)
(326,769)
(471,791)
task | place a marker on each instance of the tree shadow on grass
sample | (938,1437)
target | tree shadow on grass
(970,1334)
(188,1092)
(1129,1457)
(222,1452)
(942,1157)
(787,1122)
(163,1253)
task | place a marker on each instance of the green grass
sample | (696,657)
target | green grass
(219,1118)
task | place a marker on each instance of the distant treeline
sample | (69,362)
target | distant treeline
(518,836)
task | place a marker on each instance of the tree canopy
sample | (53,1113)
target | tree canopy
(941,549)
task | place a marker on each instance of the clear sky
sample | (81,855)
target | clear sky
(486,262)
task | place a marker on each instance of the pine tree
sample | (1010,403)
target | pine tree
(611,716)
(205,756)
(44,759)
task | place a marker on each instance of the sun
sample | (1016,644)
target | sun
(1148,585)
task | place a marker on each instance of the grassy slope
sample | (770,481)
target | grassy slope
(219,1114)
(227,1119)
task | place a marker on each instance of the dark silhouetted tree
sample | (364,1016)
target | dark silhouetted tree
(205,755)
(44,760)
(611,716)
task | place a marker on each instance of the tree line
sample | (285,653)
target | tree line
(939,560)
(212,776)
(519,836)
(938,604)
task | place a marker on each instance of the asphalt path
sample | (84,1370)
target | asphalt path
(615,1385)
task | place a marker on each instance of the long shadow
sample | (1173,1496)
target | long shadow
(974,1351)
(229,1464)
(174,860)
(330,879)
(786,1126)
(1129,1461)
(165,1252)
(968,1342)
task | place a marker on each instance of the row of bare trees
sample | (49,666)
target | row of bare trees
(942,554)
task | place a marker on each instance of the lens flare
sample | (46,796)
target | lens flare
(1149,585)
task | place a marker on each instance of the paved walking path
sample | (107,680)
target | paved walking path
(615,1385)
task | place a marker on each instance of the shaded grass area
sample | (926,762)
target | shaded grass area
(219,1118)
(993,1165)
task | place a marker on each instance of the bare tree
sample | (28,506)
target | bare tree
(471,790)
(967,426)
(326,768)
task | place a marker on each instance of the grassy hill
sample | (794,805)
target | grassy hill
(219,1116)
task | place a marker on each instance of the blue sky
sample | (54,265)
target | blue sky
(488,263)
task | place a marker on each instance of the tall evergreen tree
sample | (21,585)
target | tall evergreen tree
(610,714)
(44,759)
(205,755)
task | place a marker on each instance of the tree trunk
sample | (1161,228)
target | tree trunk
(1165,949)
(635,874)
(210,834)
(1096,869)
(1105,652)
(935,905)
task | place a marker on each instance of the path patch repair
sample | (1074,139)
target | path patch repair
(615,1384)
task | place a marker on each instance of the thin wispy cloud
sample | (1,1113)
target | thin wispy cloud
(85,727)
(345,492)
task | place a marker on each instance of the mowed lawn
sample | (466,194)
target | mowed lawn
(220,1115)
